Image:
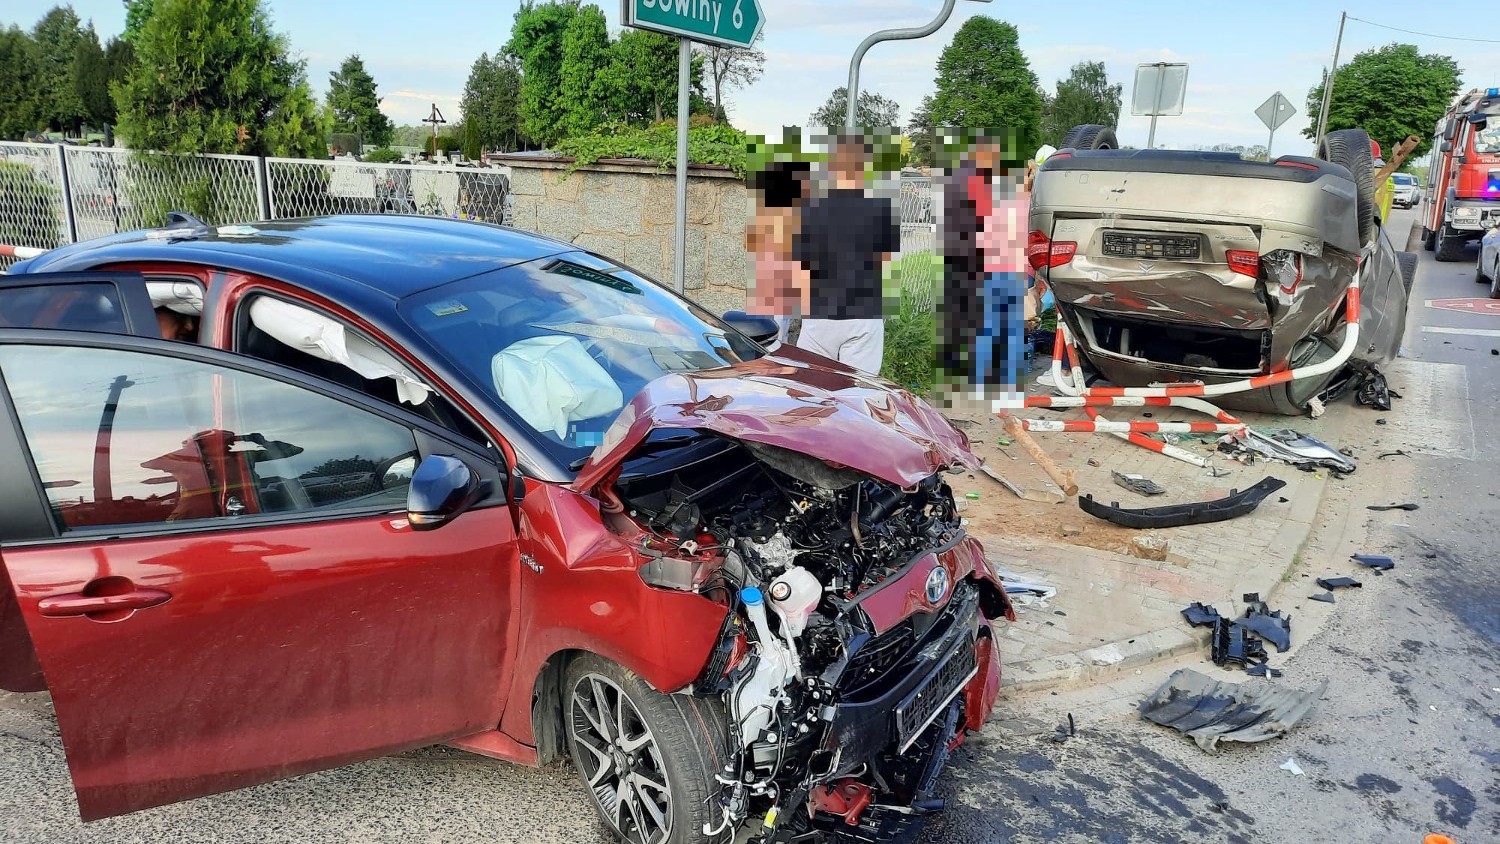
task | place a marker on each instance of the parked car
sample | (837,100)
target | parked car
(1488,268)
(1172,266)
(431,481)
(1408,190)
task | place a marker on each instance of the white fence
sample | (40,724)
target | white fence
(52,194)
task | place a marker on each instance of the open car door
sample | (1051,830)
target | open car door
(213,560)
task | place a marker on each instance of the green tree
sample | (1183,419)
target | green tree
(1390,92)
(489,107)
(923,135)
(875,111)
(20,110)
(984,82)
(536,43)
(728,68)
(137,12)
(58,35)
(583,92)
(354,100)
(1084,97)
(641,77)
(91,77)
(212,76)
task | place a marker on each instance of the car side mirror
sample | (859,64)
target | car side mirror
(1446,146)
(515,486)
(761,329)
(441,489)
(1479,121)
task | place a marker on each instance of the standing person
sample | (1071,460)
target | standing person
(968,201)
(1003,245)
(846,240)
(781,281)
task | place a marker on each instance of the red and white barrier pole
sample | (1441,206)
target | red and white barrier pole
(22,252)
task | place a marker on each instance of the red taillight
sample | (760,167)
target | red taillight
(1043,252)
(1243,262)
(1057,155)
(1281,162)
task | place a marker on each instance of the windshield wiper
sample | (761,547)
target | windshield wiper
(653,447)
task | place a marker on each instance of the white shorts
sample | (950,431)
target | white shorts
(859,343)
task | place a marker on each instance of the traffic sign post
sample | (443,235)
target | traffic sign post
(1275,111)
(727,23)
(1159,91)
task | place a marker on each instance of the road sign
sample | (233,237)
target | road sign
(1468,306)
(1275,111)
(729,23)
(1159,89)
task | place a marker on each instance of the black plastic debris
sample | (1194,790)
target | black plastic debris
(1263,670)
(1375,561)
(1234,505)
(1397,453)
(1139,484)
(1273,627)
(1209,711)
(1325,597)
(1373,391)
(1380,508)
(1331,583)
(1200,614)
(1380,421)
(1234,644)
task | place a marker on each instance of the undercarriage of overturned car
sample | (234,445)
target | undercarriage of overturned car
(856,653)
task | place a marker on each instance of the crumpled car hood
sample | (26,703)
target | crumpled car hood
(799,401)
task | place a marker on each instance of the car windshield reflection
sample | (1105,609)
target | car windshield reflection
(561,344)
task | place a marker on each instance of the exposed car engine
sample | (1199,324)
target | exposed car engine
(809,684)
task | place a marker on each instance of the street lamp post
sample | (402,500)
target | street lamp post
(851,116)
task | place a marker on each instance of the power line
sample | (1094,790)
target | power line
(1426,34)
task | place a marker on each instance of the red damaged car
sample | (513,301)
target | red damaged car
(422,481)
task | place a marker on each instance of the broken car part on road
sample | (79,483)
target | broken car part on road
(1234,505)
(1289,446)
(1139,484)
(1332,583)
(1379,562)
(1210,711)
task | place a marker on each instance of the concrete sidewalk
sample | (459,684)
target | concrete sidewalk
(1115,610)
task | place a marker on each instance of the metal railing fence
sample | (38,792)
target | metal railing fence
(53,194)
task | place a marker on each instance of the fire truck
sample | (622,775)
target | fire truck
(1463,183)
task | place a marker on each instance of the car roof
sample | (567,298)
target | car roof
(394,254)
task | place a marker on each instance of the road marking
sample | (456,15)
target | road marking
(1462,332)
(1435,415)
(1474,305)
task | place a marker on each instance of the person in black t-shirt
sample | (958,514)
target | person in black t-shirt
(847,237)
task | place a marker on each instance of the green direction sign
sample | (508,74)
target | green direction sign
(731,23)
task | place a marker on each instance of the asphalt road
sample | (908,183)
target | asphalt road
(1406,740)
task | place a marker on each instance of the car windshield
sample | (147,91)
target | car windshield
(1404,180)
(563,343)
(1488,140)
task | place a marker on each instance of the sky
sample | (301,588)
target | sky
(1238,54)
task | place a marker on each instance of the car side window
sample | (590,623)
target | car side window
(129,437)
(73,307)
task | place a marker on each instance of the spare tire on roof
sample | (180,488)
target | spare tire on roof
(1090,136)
(1350,149)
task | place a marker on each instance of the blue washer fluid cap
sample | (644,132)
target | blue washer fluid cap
(751,596)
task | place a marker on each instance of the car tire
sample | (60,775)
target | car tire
(1450,247)
(1090,136)
(673,740)
(1350,149)
(1408,262)
(1479,275)
(1495,284)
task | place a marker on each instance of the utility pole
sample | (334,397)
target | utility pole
(1328,84)
(851,116)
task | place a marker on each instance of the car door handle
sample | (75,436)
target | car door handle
(79,603)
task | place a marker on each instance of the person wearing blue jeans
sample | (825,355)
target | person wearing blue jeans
(999,351)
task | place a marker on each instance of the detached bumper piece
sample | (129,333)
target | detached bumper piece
(1209,711)
(1233,506)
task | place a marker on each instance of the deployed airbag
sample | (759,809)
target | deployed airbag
(551,381)
(183,297)
(326,338)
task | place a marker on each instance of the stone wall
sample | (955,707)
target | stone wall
(627,212)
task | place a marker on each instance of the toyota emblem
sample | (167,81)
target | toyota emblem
(937,585)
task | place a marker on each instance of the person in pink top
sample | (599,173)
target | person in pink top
(781,281)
